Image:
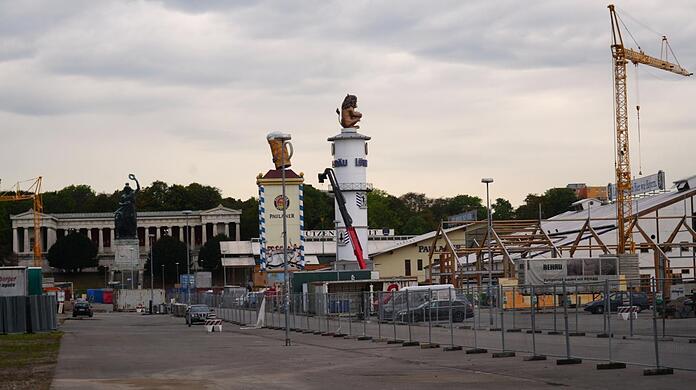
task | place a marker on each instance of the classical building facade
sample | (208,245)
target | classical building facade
(99,227)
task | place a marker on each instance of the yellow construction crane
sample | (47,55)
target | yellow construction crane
(33,192)
(624,190)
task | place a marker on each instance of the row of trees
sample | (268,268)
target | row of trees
(75,252)
(411,213)
(415,213)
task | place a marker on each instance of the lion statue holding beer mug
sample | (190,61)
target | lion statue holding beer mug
(349,115)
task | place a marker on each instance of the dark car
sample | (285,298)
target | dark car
(197,314)
(82,308)
(438,310)
(617,299)
(683,307)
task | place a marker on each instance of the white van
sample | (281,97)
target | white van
(417,295)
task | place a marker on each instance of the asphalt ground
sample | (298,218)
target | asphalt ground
(675,352)
(133,351)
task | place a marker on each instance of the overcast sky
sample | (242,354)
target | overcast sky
(451,91)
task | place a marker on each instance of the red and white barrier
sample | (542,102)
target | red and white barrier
(625,312)
(213,325)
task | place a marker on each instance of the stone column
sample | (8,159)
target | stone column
(236,231)
(181,233)
(147,239)
(227,229)
(204,233)
(100,235)
(158,231)
(113,238)
(15,240)
(51,239)
(26,240)
(89,233)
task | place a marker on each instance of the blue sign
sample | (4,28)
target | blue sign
(340,162)
(187,279)
(360,162)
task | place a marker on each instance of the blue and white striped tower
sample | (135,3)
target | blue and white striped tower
(262,227)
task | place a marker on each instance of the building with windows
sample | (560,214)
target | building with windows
(99,227)
(410,257)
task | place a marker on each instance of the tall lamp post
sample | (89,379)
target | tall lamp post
(188,260)
(489,180)
(163,278)
(177,273)
(286,297)
(152,270)
(132,265)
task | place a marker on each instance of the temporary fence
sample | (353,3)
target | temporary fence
(569,321)
(34,313)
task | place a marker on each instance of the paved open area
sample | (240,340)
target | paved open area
(133,351)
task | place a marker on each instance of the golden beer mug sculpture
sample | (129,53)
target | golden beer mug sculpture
(279,149)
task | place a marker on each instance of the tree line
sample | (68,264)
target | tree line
(411,213)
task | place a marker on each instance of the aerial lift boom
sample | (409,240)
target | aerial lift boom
(347,220)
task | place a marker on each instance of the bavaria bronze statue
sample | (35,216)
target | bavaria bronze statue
(125,217)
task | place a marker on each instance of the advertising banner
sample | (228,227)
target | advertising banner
(272,214)
(642,185)
(540,272)
(13,281)
(204,280)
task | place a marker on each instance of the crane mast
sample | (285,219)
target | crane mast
(624,190)
(33,193)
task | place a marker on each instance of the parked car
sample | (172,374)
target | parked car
(617,299)
(438,310)
(82,308)
(682,307)
(197,314)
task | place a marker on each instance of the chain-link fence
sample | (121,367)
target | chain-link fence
(610,322)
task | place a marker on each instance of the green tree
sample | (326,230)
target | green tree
(249,221)
(553,202)
(557,201)
(416,224)
(318,209)
(168,251)
(73,253)
(209,255)
(415,202)
(502,209)
(385,211)
(530,208)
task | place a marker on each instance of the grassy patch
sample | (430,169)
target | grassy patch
(27,361)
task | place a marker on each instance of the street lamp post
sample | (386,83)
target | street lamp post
(177,273)
(131,261)
(163,278)
(286,304)
(152,270)
(589,224)
(489,180)
(188,260)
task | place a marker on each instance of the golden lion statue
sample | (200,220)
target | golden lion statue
(348,115)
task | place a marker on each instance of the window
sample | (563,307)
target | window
(407,267)
(590,267)
(420,264)
(574,267)
(608,266)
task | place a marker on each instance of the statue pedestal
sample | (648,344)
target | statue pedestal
(126,254)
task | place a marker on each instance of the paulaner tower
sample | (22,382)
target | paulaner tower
(349,152)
